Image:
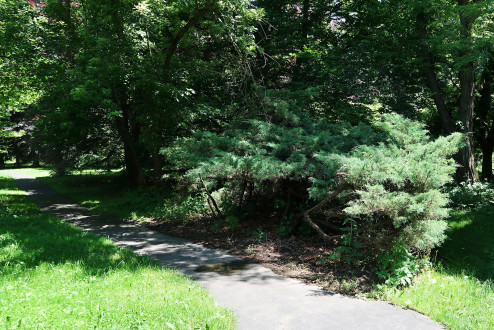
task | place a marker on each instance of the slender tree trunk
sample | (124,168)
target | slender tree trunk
(484,126)
(465,158)
(467,78)
(467,99)
(487,149)
(132,162)
(431,76)
(2,161)
(35,158)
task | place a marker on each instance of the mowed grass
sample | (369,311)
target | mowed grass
(459,290)
(53,275)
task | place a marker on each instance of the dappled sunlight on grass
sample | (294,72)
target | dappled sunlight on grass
(53,275)
(11,192)
(108,193)
(34,172)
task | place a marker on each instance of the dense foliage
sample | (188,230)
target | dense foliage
(388,176)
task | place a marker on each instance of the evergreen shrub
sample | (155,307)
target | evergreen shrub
(387,176)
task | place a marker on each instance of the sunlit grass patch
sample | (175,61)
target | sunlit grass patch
(34,172)
(11,192)
(53,275)
(459,291)
(458,301)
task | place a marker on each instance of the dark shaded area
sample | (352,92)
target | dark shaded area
(257,240)
(470,244)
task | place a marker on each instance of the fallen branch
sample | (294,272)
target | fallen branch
(329,225)
(328,199)
(321,233)
(305,215)
(210,196)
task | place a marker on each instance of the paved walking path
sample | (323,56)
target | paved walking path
(261,299)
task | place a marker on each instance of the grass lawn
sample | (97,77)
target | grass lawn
(459,290)
(53,275)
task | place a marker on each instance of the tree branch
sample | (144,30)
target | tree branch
(208,6)
(210,196)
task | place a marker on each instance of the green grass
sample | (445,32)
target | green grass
(109,193)
(459,290)
(53,275)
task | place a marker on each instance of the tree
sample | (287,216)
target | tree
(138,64)
(410,45)
(483,121)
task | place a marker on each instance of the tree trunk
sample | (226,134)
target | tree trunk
(484,126)
(465,158)
(35,158)
(2,161)
(466,75)
(132,162)
(431,76)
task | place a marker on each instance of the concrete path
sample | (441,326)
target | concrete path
(260,298)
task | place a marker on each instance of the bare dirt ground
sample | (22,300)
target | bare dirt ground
(258,241)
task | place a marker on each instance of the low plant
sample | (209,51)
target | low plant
(350,250)
(469,195)
(232,221)
(388,176)
(259,235)
(398,266)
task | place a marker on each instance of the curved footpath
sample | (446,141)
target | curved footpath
(259,298)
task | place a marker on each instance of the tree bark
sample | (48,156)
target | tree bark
(210,196)
(431,76)
(35,155)
(325,237)
(466,76)
(465,158)
(487,149)
(484,125)
(305,215)
(132,162)
(157,165)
